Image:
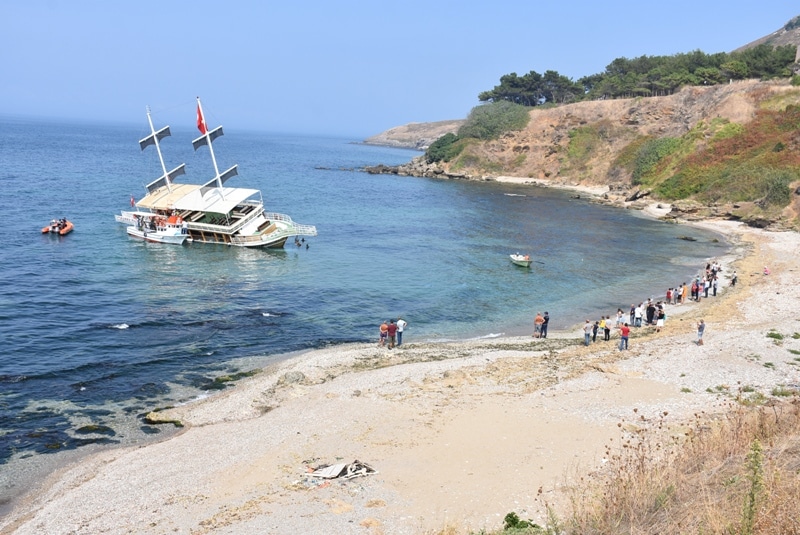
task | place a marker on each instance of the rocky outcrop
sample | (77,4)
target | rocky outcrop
(421,168)
(417,136)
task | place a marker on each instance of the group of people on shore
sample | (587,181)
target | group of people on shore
(391,333)
(650,313)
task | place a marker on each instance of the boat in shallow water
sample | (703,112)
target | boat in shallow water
(211,212)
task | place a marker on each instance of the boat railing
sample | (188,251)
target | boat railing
(296,228)
(224,228)
(289,228)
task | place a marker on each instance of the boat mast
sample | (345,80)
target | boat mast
(158,150)
(155,138)
(202,118)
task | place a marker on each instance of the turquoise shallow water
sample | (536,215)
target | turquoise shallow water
(97,328)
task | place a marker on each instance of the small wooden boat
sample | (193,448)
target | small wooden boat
(521,260)
(62,227)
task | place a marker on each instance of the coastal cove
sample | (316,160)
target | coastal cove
(460,433)
(122,328)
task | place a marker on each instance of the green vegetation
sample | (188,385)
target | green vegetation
(775,335)
(755,493)
(445,149)
(782,392)
(485,122)
(650,154)
(645,76)
(722,162)
(490,121)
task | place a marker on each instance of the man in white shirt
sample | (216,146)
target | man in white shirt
(401,325)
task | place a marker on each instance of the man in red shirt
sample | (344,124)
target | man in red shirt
(392,333)
(624,331)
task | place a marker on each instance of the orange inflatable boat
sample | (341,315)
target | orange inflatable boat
(61,227)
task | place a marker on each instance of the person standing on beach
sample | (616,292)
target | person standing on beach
(651,312)
(624,331)
(391,332)
(587,332)
(594,330)
(701,327)
(684,293)
(384,332)
(633,312)
(606,328)
(733,279)
(661,316)
(401,325)
(545,324)
(537,325)
(637,316)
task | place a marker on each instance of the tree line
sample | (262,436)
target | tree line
(645,76)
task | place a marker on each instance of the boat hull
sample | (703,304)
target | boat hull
(54,229)
(170,236)
(520,261)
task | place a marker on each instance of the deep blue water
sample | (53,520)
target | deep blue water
(97,328)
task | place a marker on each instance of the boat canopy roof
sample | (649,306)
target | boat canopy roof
(164,199)
(217,200)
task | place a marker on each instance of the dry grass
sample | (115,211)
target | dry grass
(732,474)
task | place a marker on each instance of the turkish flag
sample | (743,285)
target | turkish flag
(201,123)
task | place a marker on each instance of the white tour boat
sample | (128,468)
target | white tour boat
(158,229)
(212,212)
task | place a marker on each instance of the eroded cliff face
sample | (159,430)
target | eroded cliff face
(540,150)
(543,150)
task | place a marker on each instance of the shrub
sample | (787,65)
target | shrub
(776,186)
(443,149)
(490,121)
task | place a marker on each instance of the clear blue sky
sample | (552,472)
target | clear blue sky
(341,67)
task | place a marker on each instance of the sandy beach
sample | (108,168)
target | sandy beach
(458,434)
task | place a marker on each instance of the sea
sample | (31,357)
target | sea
(98,329)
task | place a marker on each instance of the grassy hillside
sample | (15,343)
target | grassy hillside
(734,146)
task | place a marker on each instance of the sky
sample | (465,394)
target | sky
(338,67)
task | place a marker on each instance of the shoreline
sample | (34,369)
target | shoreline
(460,432)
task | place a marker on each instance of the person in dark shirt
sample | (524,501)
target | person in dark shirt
(392,333)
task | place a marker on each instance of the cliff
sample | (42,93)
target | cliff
(550,150)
